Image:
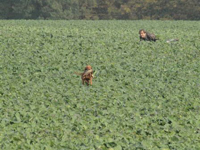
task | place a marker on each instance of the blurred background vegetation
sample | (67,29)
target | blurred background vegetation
(100,9)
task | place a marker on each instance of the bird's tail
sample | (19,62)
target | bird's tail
(77,73)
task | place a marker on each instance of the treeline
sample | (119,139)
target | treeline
(100,9)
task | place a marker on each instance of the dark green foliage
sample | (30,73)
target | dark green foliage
(100,9)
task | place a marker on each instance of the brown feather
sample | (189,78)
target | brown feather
(86,72)
(77,73)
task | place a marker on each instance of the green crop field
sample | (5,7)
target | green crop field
(145,95)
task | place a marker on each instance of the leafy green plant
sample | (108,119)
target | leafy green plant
(145,95)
